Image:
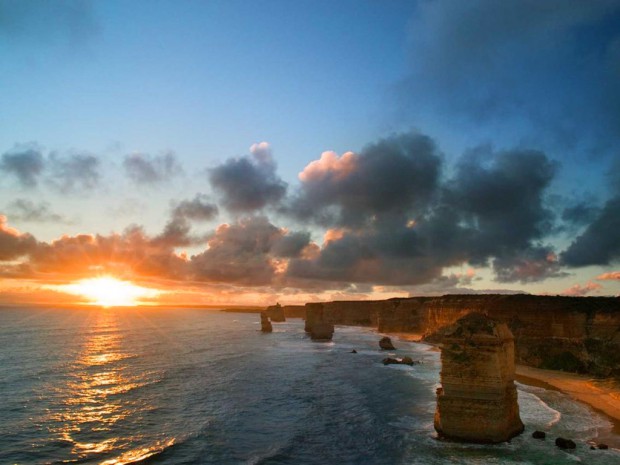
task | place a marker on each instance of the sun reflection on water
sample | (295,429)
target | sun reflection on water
(94,402)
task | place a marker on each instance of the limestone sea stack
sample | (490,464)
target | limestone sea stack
(276,313)
(265,324)
(319,327)
(477,401)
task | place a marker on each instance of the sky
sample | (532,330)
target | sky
(234,152)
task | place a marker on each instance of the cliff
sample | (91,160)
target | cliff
(578,334)
(477,401)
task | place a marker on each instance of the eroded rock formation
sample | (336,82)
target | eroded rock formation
(386,343)
(276,313)
(317,324)
(477,401)
(265,324)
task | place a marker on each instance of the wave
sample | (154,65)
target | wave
(142,454)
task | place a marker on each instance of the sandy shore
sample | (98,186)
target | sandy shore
(602,395)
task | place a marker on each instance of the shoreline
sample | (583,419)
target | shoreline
(602,395)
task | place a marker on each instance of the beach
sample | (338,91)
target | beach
(602,395)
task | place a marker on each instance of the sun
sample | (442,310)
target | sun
(107,291)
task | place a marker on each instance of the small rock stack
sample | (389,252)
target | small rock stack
(265,324)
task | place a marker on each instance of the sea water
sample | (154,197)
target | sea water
(186,386)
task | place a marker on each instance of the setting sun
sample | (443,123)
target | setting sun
(109,292)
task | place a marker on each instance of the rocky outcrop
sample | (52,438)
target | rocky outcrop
(276,313)
(477,401)
(578,334)
(398,361)
(319,327)
(386,344)
(265,324)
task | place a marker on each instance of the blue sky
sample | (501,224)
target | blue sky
(115,113)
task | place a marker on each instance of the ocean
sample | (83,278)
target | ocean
(187,386)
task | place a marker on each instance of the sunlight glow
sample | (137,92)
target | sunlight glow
(109,292)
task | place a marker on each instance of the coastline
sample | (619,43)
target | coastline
(602,395)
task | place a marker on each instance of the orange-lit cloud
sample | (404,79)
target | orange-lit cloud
(578,290)
(611,276)
(330,164)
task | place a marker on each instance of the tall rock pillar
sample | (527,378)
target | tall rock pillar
(477,401)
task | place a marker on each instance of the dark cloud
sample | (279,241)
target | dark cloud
(72,173)
(239,253)
(249,252)
(391,178)
(500,199)
(26,210)
(248,184)
(599,244)
(529,265)
(177,231)
(537,69)
(25,164)
(291,245)
(580,214)
(402,223)
(145,169)
(14,244)
(198,209)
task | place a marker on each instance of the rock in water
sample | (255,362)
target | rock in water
(539,435)
(398,361)
(319,327)
(322,331)
(386,343)
(276,313)
(478,398)
(564,443)
(265,324)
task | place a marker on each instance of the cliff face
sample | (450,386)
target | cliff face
(478,398)
(294,311)
(579,334)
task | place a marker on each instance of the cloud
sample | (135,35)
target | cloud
(25,164)
(198,209)
(131,253)
(531,265)
(580,214)
(578,290)
(177,231)
(247,184)
(547,69)
(77,172)
(599,244)
(239,253)
(144,169)
(394,219)
(610,276)
(394,176)
(26,210)
(14,244)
